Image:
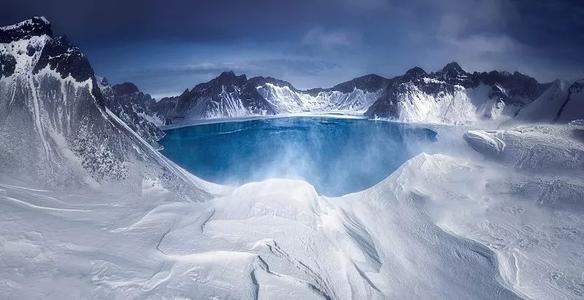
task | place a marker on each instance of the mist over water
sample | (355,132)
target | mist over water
(337,156)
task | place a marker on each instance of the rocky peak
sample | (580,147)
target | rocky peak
(60,55)
(452,73)
(415,72)
(229,77)
(370,82)
(35,26)
(125,88)
(577,86)
(453,68)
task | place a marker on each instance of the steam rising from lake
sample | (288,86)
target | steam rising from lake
(337,156)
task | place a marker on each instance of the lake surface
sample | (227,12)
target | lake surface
(337,156)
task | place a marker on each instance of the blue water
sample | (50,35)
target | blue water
(337,156)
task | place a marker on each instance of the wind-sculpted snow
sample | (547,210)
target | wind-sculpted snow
(532,147)
(263,240)
(440,226)
(485,142)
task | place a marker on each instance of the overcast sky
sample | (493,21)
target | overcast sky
(167,46)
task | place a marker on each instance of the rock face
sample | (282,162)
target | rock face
(455,96)
(134,108)
(55,127)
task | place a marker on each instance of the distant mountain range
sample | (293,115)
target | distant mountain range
(450,95)
(231,96)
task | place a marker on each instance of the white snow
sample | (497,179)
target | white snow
(417,106)
(446,226)
(485,141)
(18,49)
(545,108)
(23,23)
(431,80)
(284,100)
(287,100)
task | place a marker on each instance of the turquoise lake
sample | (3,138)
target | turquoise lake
(336,155)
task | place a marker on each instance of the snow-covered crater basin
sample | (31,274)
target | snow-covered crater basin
(336,155)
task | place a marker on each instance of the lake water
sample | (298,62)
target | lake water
(336,155)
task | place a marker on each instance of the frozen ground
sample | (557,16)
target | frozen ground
(451,223)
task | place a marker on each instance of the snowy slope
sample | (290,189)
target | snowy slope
(561,103)
(546,107)
(440,226)
(573,107)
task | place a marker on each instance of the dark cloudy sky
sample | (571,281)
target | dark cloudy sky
(166,46)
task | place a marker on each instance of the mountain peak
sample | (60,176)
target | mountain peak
(229,77)
(227,74)
(415,72)
(125,88)
(452,67)
(35,26)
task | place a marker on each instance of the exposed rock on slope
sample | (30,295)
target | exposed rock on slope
(134,108)
(229,96)
(450,95)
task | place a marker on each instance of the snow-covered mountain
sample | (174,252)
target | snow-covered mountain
(562,102)
(231,96)
(227,96)
(455,96)
(55,126)
(450,95)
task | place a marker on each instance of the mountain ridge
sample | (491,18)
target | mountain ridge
(449,95)
(372,95)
